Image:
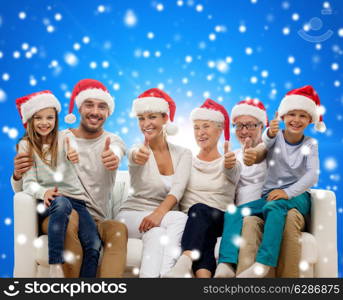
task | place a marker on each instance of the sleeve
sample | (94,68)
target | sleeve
(17,185)
(234,173)
(30,183)
(310,177)
(181,175)
(269,142)
(118,146)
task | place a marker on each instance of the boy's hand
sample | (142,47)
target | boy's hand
(249,154)
(50,195)
(22,163)
(109,159)
(273,127)
(141,156)
(276,195)
(229,157)
(72,154)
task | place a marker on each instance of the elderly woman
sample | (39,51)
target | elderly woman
(159,173)
(210,190)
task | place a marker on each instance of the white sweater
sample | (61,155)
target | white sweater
(211,184)
(148,189)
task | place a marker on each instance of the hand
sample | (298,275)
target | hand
(150,221)
(276,195)
(141,156)
(22,163)
(273,127)
(72,154)
(229,157)
(50,195)
(109,159)
(249,153)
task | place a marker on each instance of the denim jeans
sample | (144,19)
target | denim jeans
(59,212)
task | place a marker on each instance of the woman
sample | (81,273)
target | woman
(210,190)
(159,173)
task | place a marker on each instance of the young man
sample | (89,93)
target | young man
(96,154)
(249,118)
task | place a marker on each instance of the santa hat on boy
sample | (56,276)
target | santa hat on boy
(30,104)
(86,89)
(307,99)
(212,111)
(251,107)
(156,101)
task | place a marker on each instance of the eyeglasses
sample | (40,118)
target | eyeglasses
(249,126)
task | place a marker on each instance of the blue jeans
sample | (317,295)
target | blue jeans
(59,212)
(274,213)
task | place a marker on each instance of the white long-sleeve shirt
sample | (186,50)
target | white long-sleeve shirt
(293,168)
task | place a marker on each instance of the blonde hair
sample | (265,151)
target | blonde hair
(35,144)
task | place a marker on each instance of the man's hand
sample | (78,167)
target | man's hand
(22,163)
(249,154)
(276,195)
(72,154)
(109,159)
(273,127)
(50,195)
(229,157)
(150,221)
(141,156)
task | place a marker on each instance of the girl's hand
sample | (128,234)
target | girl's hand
(72,154)
(150,221)
(50,195)
(276,195)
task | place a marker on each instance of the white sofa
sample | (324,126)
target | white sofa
(319,246)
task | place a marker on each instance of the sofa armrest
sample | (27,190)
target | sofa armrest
(324,228)
(25,232)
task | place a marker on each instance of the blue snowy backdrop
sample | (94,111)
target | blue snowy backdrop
(193,49)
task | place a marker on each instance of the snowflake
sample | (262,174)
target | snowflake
(58,17)
(248,51)
(21,239)
(195,254)
(150,35)
(231,208)
(37,243)
(69,256)
(291,59)
(295,17)
(22,15)
(86,39)
(8,221)
(334,66)
(40,208)
(305,150)
(212,36)
(71,59)
(199,8)
(286,31)
(304,265)
(5,77)
(242,28)
(116,86)
(340,32)
(58,176)
(188,59)
(164,240)
(135,271)
(330,164)
(159,7)
(3,95)
(297,71)
(246,211)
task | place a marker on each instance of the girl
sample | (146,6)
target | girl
(53,180)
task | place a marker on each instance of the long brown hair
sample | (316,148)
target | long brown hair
(35,142)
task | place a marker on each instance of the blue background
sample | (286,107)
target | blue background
(192,49)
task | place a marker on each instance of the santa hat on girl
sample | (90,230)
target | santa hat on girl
(307,99)
(156,101)
(86,89)
(250,107)
(30,104)
(212,111)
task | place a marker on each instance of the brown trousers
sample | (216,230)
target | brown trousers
(290,253)
(114,236)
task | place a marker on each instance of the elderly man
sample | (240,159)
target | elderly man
(249,118)
(96,154)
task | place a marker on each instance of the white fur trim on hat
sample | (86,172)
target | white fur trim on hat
(298,102)
(37,103)
(246,109)
(207,114)
(95,94)
(150,104)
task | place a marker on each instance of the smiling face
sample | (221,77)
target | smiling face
(207,133)
(248,126)
(93,113)
(151,124)
(296,121)
(44,121)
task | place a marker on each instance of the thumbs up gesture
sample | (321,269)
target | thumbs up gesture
(273,127)
(249,153)
(72,154)
(229,157)
(141,156)
(109,159)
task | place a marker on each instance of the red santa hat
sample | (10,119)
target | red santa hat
(307,99)
(86,89)
(212,111)
(250,107)
(30,104)
(156,101)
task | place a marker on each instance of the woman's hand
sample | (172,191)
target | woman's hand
(141,156)
(276,195)
(150,221)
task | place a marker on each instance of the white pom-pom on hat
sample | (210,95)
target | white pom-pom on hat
(171,129)
(70,118)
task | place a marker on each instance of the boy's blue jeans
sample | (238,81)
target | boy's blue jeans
(59,212)
(274,213)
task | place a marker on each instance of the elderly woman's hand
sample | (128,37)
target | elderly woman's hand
(229,157)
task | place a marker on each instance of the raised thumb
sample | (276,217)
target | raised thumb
(247,143)
(107,144)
